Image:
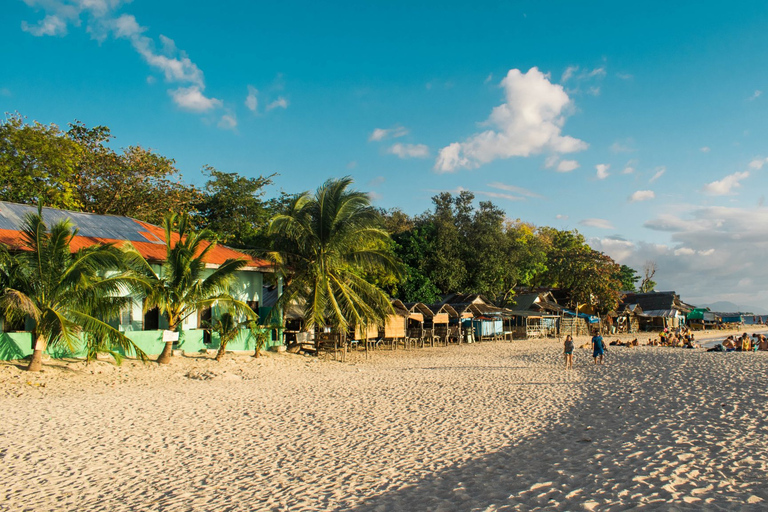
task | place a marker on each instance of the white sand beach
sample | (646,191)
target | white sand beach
(490,426)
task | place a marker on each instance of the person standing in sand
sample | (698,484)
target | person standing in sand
(569,352)
(598,347)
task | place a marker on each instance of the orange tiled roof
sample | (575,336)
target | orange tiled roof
(153,249)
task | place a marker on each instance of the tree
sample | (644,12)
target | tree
(649,270)
(525,260)
(487,255)
(233,206)
(325,243)
(37,163)
(138,182)
(77,170)
(628,277)
(445,264)
(588,275)
(65,293)
(182,286)
(413,247)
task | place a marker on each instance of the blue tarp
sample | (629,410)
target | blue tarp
(589,318)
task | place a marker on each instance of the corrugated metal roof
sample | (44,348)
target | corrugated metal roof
(89,225)
(664,313)
(94,229)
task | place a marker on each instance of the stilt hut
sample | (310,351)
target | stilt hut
(441,322)
(419,326)
(394,329)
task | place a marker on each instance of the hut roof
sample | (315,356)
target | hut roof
(465,298)
(444,308)
(419,307)
(653,301)
(400,308)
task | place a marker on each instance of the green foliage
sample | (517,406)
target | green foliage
(234,208)
(325,243)
(136,183)
(65,293)
(38,164)
(77,170)
(182,285)
(628,277)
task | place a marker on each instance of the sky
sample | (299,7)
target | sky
(641,124)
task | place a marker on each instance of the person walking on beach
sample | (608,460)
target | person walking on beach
(569,352)
(598,347)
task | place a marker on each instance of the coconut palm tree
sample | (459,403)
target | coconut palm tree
(326,243)
(183,285)
(228,328)
(65,293)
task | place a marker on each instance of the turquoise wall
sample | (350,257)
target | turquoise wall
(18,345)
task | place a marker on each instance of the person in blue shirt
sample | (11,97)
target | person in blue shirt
(598,347)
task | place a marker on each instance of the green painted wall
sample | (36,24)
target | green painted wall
(18,345)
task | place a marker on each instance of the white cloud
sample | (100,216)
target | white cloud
(726,185)
(561,217)
(488,78)
(572,72)
(409,150)
(568,73)
(501,195)
(512,188)
(659,173)
(193,99)
(628,169)
(758,163)
(597,223)
(280,102)
(602,171)
(252,100)
(529,122)
(755,95)
(228,122)
(642,195)
(101,20)
(51,25)
(567,165)
(560,165)
(623,146)
(388,133)
(624,76)
(704,149)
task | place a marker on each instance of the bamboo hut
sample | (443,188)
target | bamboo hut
(441,323)
(419,326)
(394,329)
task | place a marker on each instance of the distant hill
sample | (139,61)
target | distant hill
(730,307)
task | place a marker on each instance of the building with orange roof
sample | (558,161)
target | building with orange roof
(144,328)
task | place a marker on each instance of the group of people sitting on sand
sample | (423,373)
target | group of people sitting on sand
(682,337)
(744,343)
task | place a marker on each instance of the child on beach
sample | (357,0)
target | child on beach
(598,347)
(568,352)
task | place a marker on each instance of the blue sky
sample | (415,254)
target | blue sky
(642,125)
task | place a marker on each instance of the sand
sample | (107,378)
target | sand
(489,426)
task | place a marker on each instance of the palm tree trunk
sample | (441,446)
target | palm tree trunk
(36,363)
(165,355)
(222,350)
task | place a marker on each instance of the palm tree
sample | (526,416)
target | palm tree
(326,244)
(65,293)
(183,286)
(228,328)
